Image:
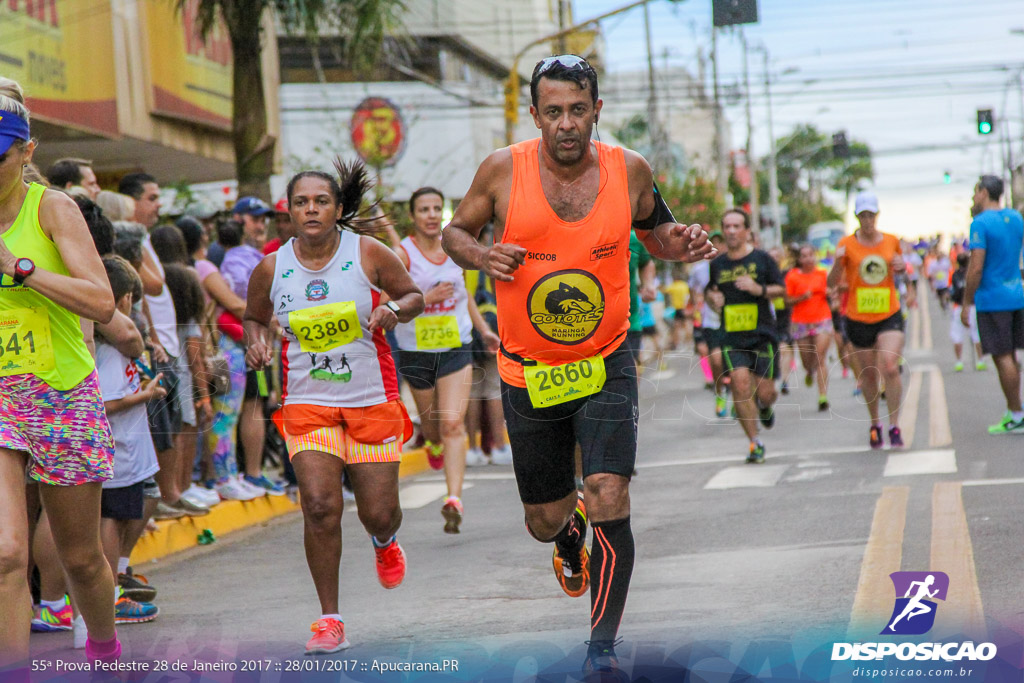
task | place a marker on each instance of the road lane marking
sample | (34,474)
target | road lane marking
(926,317)
(747,476)
(910,403)
(953,553)
(420,495)
(915,330)
(993,482)
(883,554)
(939,431)
(920,462)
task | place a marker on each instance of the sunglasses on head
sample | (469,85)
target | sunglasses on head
(568,61)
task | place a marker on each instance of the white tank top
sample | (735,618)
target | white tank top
(329,357)
(442,326)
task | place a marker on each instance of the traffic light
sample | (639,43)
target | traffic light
(730,12)
(840,147)
(986,121)
(947,177)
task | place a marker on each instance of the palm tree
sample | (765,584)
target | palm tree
(363,23)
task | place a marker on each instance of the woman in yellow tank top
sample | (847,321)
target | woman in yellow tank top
(52,421)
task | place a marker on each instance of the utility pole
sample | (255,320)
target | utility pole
(722,176)
(653,124)
(773,167)
(562,46)
(755,207)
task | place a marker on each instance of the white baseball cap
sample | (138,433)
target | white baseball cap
(866,201)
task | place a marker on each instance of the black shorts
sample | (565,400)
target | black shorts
(165,412)
(123,503)
(634,340)
(1001,331)
(713,337)
(762,359)
(544,440)
(421,369)
(650,331)
(680,314)
(864,335)
(783,329)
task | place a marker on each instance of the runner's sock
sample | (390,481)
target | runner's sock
(385,544)
(332,616)
(1017,416)
(54,605)
(122,565)
(611,566)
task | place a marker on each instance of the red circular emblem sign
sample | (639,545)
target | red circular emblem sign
(378,131)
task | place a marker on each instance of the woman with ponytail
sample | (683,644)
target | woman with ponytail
(341,408)
(51,279)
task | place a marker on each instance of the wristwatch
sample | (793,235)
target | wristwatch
(23,267)
(394,307)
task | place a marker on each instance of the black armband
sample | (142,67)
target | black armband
(660,214)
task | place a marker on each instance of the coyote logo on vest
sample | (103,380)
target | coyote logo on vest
(567,306)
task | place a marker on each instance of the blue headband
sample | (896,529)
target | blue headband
(12,128)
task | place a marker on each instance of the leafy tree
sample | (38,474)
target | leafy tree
(807,169)
(693,200)
(363,23)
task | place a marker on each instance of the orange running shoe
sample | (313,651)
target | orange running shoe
(573,573)
(390,565)
(328,637)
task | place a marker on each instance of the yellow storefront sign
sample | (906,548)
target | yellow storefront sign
(62,54)
(191,78)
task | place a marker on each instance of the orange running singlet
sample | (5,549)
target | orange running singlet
(873,295)
(570,299)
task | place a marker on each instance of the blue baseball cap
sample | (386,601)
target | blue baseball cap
(252,206)
(12,129)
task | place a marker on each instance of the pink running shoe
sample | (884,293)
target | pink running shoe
(390,565)
(328,637)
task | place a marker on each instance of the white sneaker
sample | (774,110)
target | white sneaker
(198,495)
(257,491)
(475,458)
(233,489)
(501,456)
(81,633)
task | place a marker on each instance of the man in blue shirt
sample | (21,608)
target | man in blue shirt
(995,288)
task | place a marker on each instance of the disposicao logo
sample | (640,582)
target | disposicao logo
(913,614)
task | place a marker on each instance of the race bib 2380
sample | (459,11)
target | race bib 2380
(325,327)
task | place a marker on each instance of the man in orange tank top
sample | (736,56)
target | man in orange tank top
(871,261)
(562,208)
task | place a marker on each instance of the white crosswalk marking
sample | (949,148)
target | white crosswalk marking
(747,476)
(941,461)
(421,495)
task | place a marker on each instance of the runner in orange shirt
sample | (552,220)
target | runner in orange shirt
(870,261)
(807,293)
(563,207)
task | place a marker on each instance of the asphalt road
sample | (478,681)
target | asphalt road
(761,567)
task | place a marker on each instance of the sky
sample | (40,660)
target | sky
(904,76)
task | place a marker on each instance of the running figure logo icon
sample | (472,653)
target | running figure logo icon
(914,613)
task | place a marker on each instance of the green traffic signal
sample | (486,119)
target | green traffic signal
(947,177)
(986,121)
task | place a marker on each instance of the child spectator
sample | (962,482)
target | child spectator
(125,397)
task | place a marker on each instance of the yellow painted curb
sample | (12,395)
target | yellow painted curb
(175,535)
